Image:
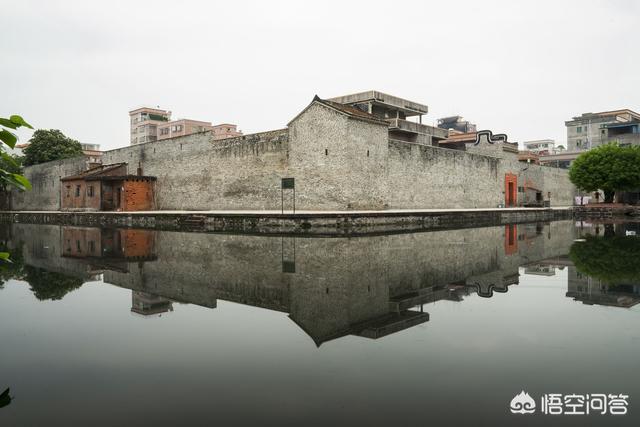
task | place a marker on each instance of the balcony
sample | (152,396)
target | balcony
(419,128)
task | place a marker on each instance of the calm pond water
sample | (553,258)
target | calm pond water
(108,327)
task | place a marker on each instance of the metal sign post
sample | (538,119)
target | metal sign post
(288,184)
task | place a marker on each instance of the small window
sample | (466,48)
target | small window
(92,246)
(367,153)
(90,191)
(68,190)
(603,131)
(326,152)
(579,129)
(78,245)
(77,191)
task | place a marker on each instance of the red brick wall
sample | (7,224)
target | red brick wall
(138,195)
(138,243)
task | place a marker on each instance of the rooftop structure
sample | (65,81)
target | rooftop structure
(456,123)
(395,111)
(466,142)
(592,129)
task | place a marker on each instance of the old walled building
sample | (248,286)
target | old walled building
(361,153)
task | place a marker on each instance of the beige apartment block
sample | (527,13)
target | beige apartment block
(154,124)
(145,122)
(182,127)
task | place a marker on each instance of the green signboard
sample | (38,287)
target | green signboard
(288,183)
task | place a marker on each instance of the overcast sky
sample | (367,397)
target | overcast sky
(514,67)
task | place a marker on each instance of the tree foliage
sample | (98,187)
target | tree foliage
(611,259)
(9,168)
(609,168)
(47,145)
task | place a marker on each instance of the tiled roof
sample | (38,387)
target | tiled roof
(98,170)
(460,137)
(350,111)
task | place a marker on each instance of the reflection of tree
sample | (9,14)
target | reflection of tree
(49,285)
(610,259)
(13,269)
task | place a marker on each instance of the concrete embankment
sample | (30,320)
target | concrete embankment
(319,223)
(602,210)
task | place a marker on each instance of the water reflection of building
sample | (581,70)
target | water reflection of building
(594,291)
(116,250)
(330,287)
(148,304)
(540,270)
(110,249)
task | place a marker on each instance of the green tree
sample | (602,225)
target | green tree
(9,168)
(10,164)
(609,168)
(47,145)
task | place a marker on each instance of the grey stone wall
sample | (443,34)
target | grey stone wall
(430,177)
(45,182)
(338,162)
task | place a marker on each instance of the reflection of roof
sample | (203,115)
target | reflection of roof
(374,328)
(95,171)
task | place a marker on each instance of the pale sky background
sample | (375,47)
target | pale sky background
(510,66)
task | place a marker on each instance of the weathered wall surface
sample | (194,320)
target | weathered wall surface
(45,181)
(339,163)
(422,176)
(196,172)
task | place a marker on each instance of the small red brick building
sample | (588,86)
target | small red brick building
(107,188)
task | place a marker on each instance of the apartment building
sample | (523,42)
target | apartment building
(592,129)
(541,147)
(145,122)
(152,124)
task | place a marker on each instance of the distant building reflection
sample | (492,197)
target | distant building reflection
(147,304)
(594,291)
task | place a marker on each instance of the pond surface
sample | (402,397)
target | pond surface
(109,327)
